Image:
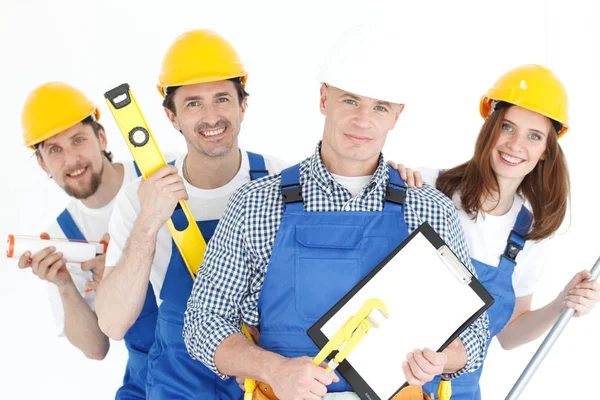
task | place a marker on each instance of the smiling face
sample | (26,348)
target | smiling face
(75,160)
(521,143)
(355,126)
(209,115)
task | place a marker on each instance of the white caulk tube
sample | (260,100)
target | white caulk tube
(73,252)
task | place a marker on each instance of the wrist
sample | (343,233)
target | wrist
(66,286)
(273,366)
(147,227)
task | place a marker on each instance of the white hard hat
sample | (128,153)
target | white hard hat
(365,61)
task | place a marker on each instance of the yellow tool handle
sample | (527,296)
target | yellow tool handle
(249,384)
(444,390)
(149,159)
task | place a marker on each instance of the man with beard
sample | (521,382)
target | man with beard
(61,125)
(203,84)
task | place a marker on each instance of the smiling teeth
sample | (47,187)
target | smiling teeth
(510,159)
(77,173)
(214,132)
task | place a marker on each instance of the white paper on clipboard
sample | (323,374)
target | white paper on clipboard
(426,303)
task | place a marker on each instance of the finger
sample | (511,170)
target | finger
(25,260)
(417,372)
(435,358)
(591,285)
(105,238)
(587,303)
(96,278)
(424,364)
(410,178)
(162,172)
(40,255)
(393,165)
(40,266)
(418,179)
(587,293)
(408,375)
(323,376)
(91,285)
(47,263)
(578,278)
(579,309)
(167,181)
(54,268)
(317,388)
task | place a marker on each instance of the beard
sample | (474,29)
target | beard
(90,190)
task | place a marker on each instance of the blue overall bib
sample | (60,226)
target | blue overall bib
(139,337)
(172,374)
(317,258)
(498,281)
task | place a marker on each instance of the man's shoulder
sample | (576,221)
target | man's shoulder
(428,198)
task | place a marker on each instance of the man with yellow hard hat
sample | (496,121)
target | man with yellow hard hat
(203,85)
(61,124)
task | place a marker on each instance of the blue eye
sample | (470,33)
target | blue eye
(78,140)
(222,100)
(350,101)
(54,150)
(380,108)
(507,128)
(193,104)
(535,136)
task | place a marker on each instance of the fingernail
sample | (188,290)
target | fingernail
(60,254)
(52,248)
(404,364)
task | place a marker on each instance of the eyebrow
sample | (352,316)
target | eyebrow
(48,142)
(531,130)
(216,95)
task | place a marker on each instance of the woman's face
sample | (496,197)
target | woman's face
(521,143)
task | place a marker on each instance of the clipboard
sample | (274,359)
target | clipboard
(455,298)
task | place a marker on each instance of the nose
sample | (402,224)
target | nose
(210,114)
(515,142)
(361,118)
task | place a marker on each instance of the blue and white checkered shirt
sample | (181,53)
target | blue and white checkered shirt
(228,284)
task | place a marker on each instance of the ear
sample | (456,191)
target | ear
(102,139)
(398,112)
(323,98)
(243,107)
(41,162)
(173,118)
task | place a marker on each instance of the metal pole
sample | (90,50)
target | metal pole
(546,345)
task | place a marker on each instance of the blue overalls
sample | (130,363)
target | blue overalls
(139,337)
(172,374)
(317,258)
(498,281)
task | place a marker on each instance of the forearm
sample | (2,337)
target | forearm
(528,326)
(237,356)
(81,324)
(122,292)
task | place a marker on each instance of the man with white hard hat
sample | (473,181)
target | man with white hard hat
(255,272)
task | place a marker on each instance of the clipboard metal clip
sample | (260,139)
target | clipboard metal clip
(351,333)
(454,264)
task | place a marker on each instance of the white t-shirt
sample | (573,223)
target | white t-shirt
(487,235)
(204,205)
(93,224)
(354,184)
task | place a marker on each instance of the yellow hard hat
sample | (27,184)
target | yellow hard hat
(51,108)
(199,56)
(532,87)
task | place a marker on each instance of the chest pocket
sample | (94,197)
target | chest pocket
(327,266)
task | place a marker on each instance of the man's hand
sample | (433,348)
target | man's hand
(47,265)
(423,365)
(412,178)
(300,379)
(159,195)
(97,264)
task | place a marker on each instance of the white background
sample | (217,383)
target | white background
(453,52)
